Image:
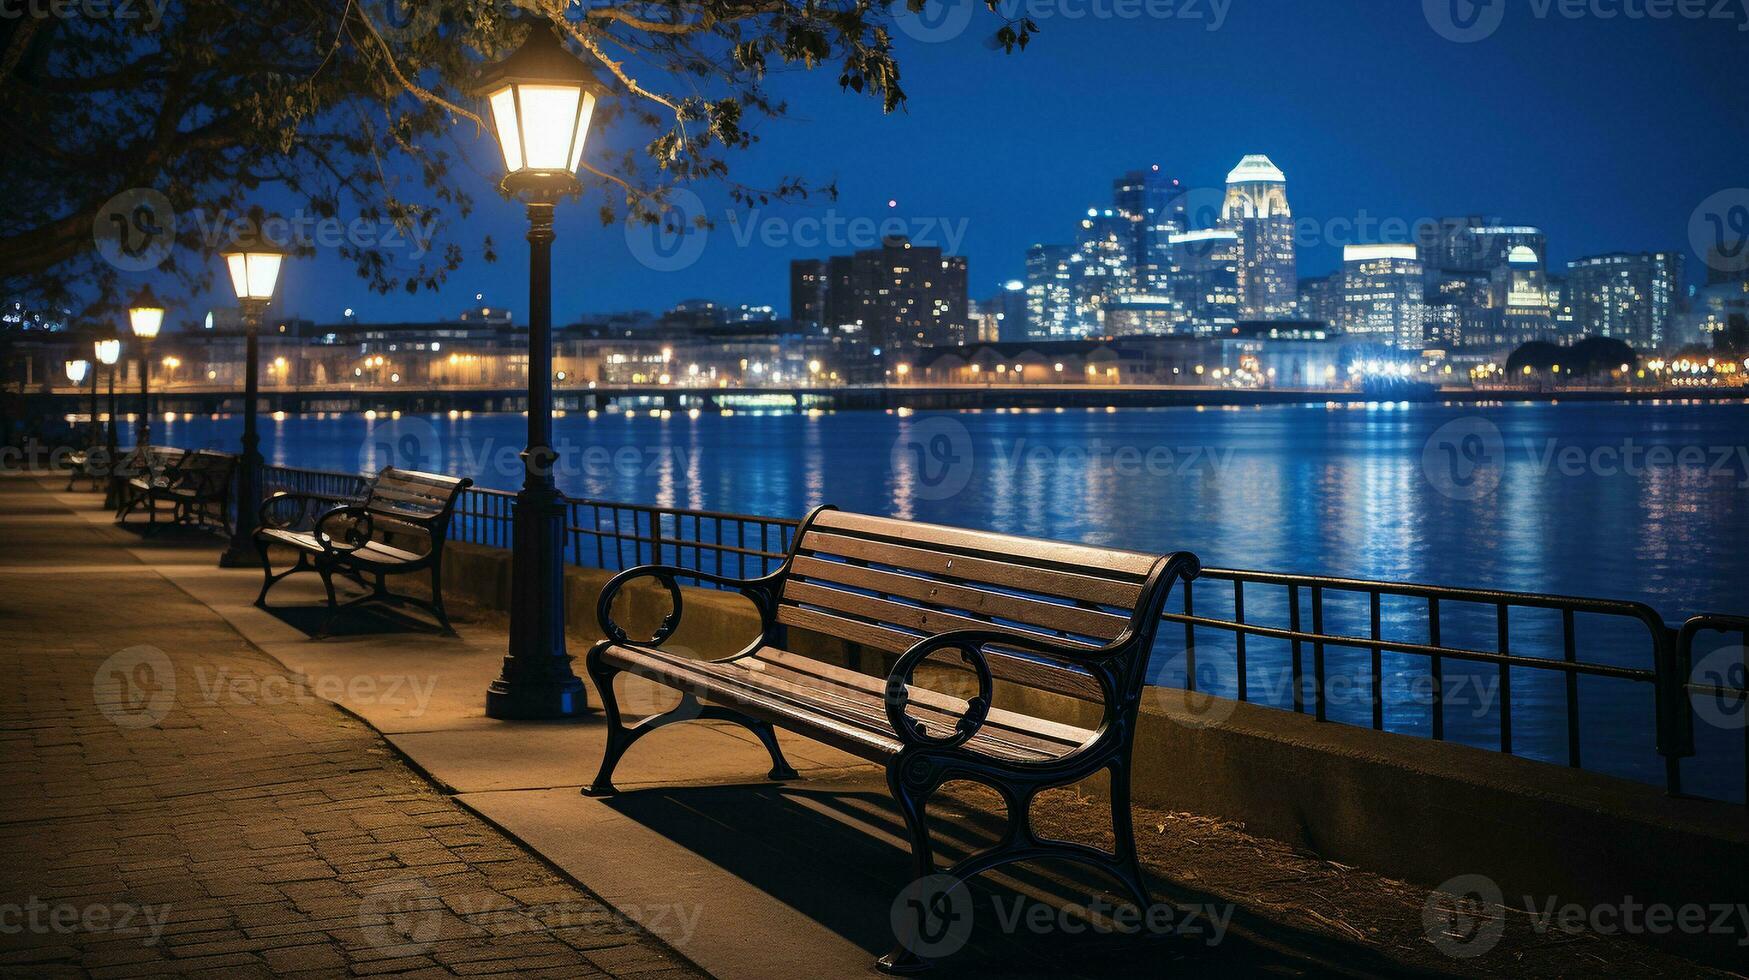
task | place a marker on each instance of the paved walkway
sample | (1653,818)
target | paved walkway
(177,803)
(184,797)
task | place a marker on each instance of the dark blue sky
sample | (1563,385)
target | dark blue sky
(1607,133)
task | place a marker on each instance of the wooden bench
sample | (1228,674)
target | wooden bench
(142,471)
(398,527)
(92,464)
(198,490)
(1067,619)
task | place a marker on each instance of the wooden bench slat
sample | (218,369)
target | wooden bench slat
(1062,584)
(1011,548)
(1038,613)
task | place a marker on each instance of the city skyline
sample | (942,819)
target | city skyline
(1387,116)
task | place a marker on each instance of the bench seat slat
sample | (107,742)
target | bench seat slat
(844,708)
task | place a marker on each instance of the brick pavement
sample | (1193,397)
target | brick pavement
(176,805)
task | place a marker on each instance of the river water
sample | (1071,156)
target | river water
(1636,501)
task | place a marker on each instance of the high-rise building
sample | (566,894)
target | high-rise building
(1256,209)
(1050,292)
(807,291)
(1321,299)
(1105,270)
(1205,279)
(1631,297)
(898,297)
(1153,204)
(1384,295)
(1011,307)
(1520,297)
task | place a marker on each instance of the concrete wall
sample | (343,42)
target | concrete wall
(1407,807)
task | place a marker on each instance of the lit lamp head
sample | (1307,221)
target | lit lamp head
(145,314)
(541,98)
(254,261)
(107,349)
(76,370)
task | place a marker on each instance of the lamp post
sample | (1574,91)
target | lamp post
(146,317)
(254,266)
(541,98)
(76,371)
(108,351)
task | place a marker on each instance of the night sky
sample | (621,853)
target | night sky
(1604,132)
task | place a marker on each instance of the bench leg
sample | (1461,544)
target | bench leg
(912,802)
(268,578)
(620,736)
(437,599)
(1129,865)
(333,604)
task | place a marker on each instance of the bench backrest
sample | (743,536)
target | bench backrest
(205,471)
(410,502)
(886,583)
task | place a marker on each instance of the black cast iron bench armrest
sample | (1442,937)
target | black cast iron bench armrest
(763,592)
(971,644)
(269,515)
(353,537)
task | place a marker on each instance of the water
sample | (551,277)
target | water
(1644,502)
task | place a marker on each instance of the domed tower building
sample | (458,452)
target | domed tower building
(1256,209)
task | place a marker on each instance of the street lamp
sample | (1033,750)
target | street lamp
(108,351)
(146,317)
(541,99)
(253,262)
(76,371)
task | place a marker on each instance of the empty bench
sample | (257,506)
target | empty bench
(1067,619)
(398,527)
(142,471)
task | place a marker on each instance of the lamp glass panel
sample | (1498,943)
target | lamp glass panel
(263,273)
(108,351)
(76,370)
(238,263)
(509,136)
(549,118)
(582,133)
(146,321)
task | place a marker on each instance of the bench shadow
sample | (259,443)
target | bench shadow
(368,619)
(831,854)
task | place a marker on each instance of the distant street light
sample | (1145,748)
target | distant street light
(108,351)
(541,100)
(146,318)
(254,263)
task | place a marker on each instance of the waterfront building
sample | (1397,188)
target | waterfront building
(1383,295)
(1256,209)
(1320,298)
(1153,205)
(1205,279)
(1051,311)
(1633,297)
(1520,296)
(1103,266)
(894,298)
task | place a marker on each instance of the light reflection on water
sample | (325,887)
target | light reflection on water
(1317,489)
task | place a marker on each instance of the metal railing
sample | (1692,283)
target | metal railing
(1329,634)
(598,533)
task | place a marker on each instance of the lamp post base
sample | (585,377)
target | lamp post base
(531,699)
(239,555)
